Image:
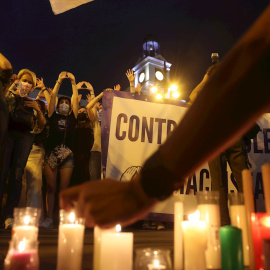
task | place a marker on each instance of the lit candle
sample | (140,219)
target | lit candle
(195,242)
(116,251)
(178,236)
(97,240)
(260,223)
(22,255)
(70,241)
(239,220)
(156,266)
(208,205)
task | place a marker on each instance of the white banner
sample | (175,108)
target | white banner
(136,129)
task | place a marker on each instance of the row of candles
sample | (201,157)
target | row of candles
(199,242)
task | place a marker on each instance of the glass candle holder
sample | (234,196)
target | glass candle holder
(152,259)
(239,220)
(25,225)
(260,226)
(70,241)
(22,255)
(208,205)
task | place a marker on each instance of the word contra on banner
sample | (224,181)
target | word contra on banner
(135,128)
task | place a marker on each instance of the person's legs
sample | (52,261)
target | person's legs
(22,148)
(238,161)
(216,167)
(51,176)
(95,165)
(33,174)
(65,175)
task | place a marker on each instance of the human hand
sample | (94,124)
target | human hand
(40,83)
(117,87)
(63,75)
(89,98)
(28,102)
(108,202)
(138,89)
(71,77)
(130,75)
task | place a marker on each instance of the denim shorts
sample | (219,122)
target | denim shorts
(67,163)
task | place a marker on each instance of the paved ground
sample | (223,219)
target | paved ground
(48,245)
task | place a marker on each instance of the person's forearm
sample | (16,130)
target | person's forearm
(75,105)
(94,101)
(132,87)
(231,101)
(54,94)
(4,63)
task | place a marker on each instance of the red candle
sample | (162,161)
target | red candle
(22,260)
(260,224)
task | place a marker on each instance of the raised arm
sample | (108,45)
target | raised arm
(4,63)
(75,103)
(92,101)
(44,92)
(55,91)
(131,78)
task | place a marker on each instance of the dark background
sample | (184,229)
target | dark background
(100,40)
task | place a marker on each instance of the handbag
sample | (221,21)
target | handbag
(22,116)
(58,154)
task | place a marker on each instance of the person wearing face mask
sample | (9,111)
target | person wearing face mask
(20,138)
(59,148)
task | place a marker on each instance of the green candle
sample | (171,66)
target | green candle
(231,248)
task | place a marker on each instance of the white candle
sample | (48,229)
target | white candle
(195,242)
(70,244)
(239,220)
(178,236)
(211,214)
(97,240)
(116,251)
(156,266)
(25,232)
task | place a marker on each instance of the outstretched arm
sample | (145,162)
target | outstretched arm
(225,109)
(75,103)
(55,91)
(131,78)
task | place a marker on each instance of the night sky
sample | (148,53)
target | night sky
(100,40)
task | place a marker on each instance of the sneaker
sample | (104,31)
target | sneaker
(8,223)
(47,223)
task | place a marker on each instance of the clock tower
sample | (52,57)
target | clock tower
(152,69)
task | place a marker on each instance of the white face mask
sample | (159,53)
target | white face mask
(26,86)
(63,108)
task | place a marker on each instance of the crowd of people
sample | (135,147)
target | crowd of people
(51,136)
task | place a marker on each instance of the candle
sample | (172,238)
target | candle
(22,255)
(249,206)
(195,242)
(260,232)
(231,248)
(178,236)
(239,220)
(155,259)
(70,242)
(208,205)
(97,240)
(116,251)
(266,185)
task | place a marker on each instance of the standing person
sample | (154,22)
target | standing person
(5,74)
(236,156)
(59,147)
(25,120)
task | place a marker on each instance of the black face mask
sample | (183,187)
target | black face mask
(82,116)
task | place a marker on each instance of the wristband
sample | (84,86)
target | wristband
(58,82)
(156,180)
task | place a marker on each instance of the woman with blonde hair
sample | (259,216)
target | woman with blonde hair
(25,120)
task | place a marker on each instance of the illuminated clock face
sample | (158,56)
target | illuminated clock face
(141,77)
(159,75)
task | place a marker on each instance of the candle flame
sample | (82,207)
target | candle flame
(21,246)
(71,217)
(194,216)
(118,228)
(156,263)
(266,221)
(26,220)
